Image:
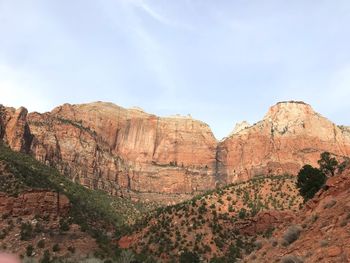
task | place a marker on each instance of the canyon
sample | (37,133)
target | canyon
(128,152)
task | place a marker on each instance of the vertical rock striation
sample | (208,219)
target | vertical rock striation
(129,152)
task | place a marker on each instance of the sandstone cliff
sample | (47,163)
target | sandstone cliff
(103,146)
(130,152)
(290,135)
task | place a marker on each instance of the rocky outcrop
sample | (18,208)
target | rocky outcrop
(14,129)
(34,202)
(290,135)
(263,222)
(130,152)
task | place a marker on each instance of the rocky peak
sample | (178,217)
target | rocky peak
(239,127)
(289,110)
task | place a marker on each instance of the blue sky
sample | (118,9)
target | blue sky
(221,61)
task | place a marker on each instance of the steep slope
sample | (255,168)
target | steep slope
(220,224)
(321,230)
(40,208)
(290,135)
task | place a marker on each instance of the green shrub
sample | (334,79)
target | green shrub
(64,225)
(46,257)
(29,250)
(291,259)
(26,231)
(41,243)
(56,248)
(189,257)
(242,213)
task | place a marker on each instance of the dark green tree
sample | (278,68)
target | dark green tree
(310,180)
(189,257)
(327,164)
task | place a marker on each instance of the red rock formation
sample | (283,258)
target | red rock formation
(14,128)
(290,135)
(130,152)
(108,147)
(34,202)
(263,221)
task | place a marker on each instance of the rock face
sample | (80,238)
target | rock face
(34,202)
(129,152)
(14,128)
(120,151)
(290,135)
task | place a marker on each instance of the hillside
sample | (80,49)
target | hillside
(320,232)
(220,224)
(77,223)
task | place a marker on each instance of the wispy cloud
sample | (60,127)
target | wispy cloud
(157,16)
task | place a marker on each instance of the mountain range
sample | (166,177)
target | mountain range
(128,152)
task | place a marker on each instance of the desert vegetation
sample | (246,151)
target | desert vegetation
(208,226)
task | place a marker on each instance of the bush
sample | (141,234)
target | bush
(41,243)
(310,180)
(323,243)
(64,225)
(189,257)
(29,250)
(291,259)
(292,234)
(330,204)
(258,244)
(126,256)
(46,257)
(56,248)
(242,213)
(26,231)
(91,260)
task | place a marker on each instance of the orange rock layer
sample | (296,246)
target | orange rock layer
(129,152)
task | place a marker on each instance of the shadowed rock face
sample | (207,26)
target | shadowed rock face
(130,152)
(14,129)
(290,135)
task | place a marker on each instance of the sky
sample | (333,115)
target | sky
(222,61)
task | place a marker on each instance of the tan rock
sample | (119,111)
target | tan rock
(290,135)
(334,251)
